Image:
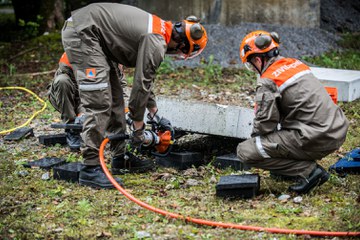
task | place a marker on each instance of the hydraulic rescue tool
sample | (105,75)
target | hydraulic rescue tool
(158,141)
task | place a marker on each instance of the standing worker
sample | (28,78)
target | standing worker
(296,122)
(63,95)
(103,32)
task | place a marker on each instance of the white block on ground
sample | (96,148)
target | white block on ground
(347,82)
(207,118)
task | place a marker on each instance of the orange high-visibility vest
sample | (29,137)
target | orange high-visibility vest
(286,71)
(161,27)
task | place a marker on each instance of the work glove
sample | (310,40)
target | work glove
(163,123)
(80,119)
(129,121)
(137,135)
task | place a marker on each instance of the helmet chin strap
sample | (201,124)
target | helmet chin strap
(256,67)
(262,65)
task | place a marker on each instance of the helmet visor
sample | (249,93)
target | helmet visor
(197,50)
(176,55)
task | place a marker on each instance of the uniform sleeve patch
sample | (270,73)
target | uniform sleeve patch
(90,72)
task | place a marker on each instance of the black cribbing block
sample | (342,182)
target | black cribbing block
(120,136)
(53,139)
(67,126)
(181,160)
(241,186)
(19,133)
(68,172)
(230,160)
(45,163)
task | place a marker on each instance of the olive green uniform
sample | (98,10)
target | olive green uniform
(293,126)
(63,92)
(64,95)
(92,38)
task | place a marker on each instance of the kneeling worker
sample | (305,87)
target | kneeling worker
(296,122)
(63,95)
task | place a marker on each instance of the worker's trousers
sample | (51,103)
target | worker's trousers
(100,91)
(279,152)
(63,96)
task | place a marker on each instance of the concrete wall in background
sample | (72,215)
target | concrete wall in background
(298,13)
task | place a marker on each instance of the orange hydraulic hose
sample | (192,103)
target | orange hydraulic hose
(207,222)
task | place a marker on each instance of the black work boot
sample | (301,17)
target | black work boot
(129,163)
(73,140)
(93,176)
(317,177)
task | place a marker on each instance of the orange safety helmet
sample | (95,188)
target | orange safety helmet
(196,37)
(64,59)
(259,42)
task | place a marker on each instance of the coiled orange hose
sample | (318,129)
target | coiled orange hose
(207,222)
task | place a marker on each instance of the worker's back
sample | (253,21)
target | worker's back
(306,106)
(118,27)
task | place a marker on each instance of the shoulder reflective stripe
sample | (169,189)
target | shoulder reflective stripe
(293,79)
(161,27)
(93,87)
(260,147)
(69,19)
(150,24)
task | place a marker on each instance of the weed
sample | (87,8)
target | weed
(345,59)
(350,41)
(130,80)
(73,157)
(286,210)
(12,69)
(166,67)
(83,207)
(31,29)
(212,72)
(57,192)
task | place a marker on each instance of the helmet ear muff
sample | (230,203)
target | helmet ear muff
(263,41)
(193,19)
(276,52)
(196,31)
(275,37)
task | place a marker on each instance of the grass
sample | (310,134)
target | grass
(347,58)
(32,208)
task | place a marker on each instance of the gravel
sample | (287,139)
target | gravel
(296,42)
(337,16)
(340,15)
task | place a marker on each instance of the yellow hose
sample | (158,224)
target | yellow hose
(33,116)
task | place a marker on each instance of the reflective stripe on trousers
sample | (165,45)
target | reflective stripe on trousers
(260,147)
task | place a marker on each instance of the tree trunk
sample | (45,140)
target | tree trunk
(50,11)
(26,10)
(54,14)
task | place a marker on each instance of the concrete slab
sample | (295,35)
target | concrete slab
(347,82)
(207,118)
